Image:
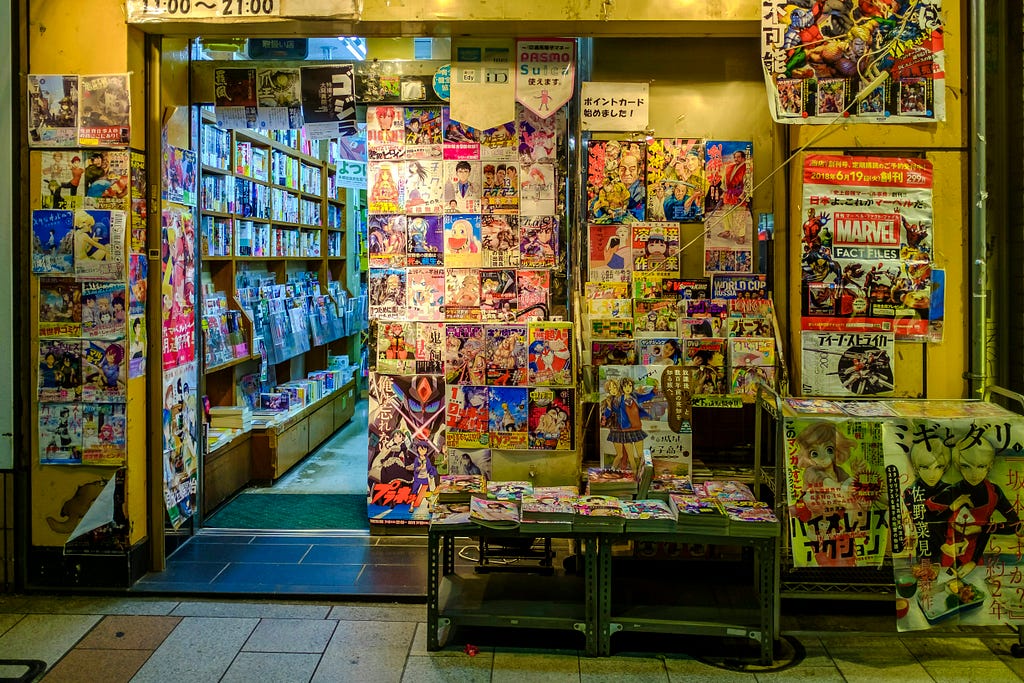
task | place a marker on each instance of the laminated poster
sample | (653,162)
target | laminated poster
(328,101)
(234,92)
(180,453)
(99,242)
(53,110)
(105,110)
(728,221)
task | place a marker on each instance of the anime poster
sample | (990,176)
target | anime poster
(423,186)
(138,279)
(499,241)
(470,461)
(60,308)
(506,355)
(60,433)
(729,222)
(139,202)
(425,294)
(104,116)
(137,345)
(328,101)
(423,133)
(52,110)
(430,341)
(508,417)
(954,501)
(500,187)
(104,371)
(550,354)
(385,132)
(179,175)
(177,286)
(676,183)
(384,190)
(59,179)
(103,433)
(461,141)
(866,246)
(53,241)
(180,455)
(836,492)
(462,248)
(877,62)
(105,181)
(498,297)
(551,419)
(609,253)
(655,248)
(465,358)
(499,143)
(847,364)
(538,137)
(278,98)
(537,189)
(396,348)
(406,446)
(387,293)
(623,409)
(462,295)
(466,416)
(60,370)
(99,239)
(234,97)
(538,241)
(386,240)
(533,287)
(425,241)
(615,190)
(103,310)
(462,186)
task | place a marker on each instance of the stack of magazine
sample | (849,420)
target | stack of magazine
(751,518)
(599,514)
(662,487)
(608,481)
(699,515)
(649,515)
(508,490)
(459,488)
(548,508)
(494,514)
(450,515)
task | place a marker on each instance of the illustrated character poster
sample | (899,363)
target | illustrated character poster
(551,419)
(177,286)
(104,371)
(99,240)
(425,241)
(866,245)
(53,241)
(676,183)
(422,186)
(874,61)
(53,110)
(60,433)
(180,451)
(728,221)
(103,433)
(104,110)
(60,307)
(615,181)
(60,179)
(406,445)
(624,407)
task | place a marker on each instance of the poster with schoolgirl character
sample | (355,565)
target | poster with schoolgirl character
(103,433)
(53,241)
(104,371)
(60,433)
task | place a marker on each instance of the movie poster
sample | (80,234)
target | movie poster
(177,286)
(180,450)
(53,110)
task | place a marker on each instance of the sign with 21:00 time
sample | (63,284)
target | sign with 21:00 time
(142,11)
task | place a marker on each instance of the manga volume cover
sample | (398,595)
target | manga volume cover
(60,308)
(499,143)
(462,186)
(612,353)
(465,360)
(729,223)
(384,190)
(467,416)
(507,417)
(60,433)
(425,241)
(537,189)
(103,434)
(422,186)
(609,253)
(278,98)
(676,183)
(387,293)
(461,142)
(423,132)
(104,110)
(615,190)
(386,243)
(551,419)
(506,355)
(538,243)
(430,344)
(234,97)
(53,110)
(499,240)
(500,187)
(425,294)
(533,286)
(60,370)
(462,294)
(104,371)
(396,348)
(103,310)
(847,364)
(498,295)
(53,241)
(550,354)
(462,241)
(99,239)
(59,179)
(538,138)
(655,248)
(106,179)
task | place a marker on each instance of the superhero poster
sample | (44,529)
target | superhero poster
(406,446)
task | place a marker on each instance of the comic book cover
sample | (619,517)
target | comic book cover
(537,189)
(462,294)
(550,354)
(387,293)
(611,328)
(425,241)
(465,361)
(615,191)
(847,364)
(234,97)
(136,346)
(748,327)
(406,415)
(60,370)
(706,380)
(506,355)
(425,294)
(60,176)
(99,239)
(508,417)
(423,132)
(60,433)
(103,310)
(462,186)
(612,353)
(278,98)
(655,317)
(733,286)
(104,116)
(179,175)
(746,380)
(656,248)
(386,240)
(551,419)
(384,189)
(715,308)
(500,143)
(538,241)
(138,274)
(609,253)
(659,351)
(104,371)
(538,138)
(499,240)
(500,187)
(396,347)
(422,187)
(676,184)
(53,110)
(430,342)
(385,132)
(533,286)
(461,141)
(606,290)
(466,417)
(649,285)
(610,308)
(751,351)
(103,433)
(53,241)
(462,247)
(703,327)
(476,461)
(498,296)
(60,308)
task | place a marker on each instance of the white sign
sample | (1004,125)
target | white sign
(614,106)
(141,11)
(546,74)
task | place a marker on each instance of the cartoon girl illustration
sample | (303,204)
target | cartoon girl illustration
(424,473)
(623,411)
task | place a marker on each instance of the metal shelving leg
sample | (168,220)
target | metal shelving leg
(433,584)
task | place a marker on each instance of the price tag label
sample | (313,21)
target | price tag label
(140,11)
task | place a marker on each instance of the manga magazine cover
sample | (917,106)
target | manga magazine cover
(278,98)
(430,342)
(387,293)
(506,355)
(138,283)
(422,186)
(551,419)
(538,138)
(60,433)
(751,362)
(498,295)
(606,290)
(103,310)
(847,364)
(537,189)
(676,184)
(715,308)
(550,354)
(104,371)
(746,380)
(705,363)
(59,179)
(396,348)
(729,222)
(425,295)
(655,248)
(106,179)
(179,175)
(500,143)
(461,142)
(611,328)
(462,186)
(476,461)
(533,286)
(406,446)
(748,327)
(60,370)
(60,308)
(733,286)
(500,187)
(610,308)
(104,116)
(702,327)
(612,353)
(508,417)
(386,242)
(462,294)
(659,351)
(425,242)
(99,238)
(499,240)
(136,346)
(384,190)
(465,360)
(615,190)
(467,416)
(53,241)
(538,243)
(423,132)
(53,110)
(462,241)
(234,97)
(655,317)
(103,433)
(609,253)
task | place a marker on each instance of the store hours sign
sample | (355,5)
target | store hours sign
(151,11)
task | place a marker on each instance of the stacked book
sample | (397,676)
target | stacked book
(459,488)
(508,490)
(219,436)
(495,514)
(751,518)
(661,487)
(231,417)
(725,490)
(698,514)
(599,514)
(649,515)
(608,481)
(547,509)
(451,515)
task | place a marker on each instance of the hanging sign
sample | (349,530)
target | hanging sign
(545,75)
(615,106)
(140,11)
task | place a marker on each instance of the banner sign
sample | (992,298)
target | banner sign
(546,74)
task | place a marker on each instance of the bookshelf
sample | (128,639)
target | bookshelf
(275,267)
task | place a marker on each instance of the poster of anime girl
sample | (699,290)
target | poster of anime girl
(60,433)
(386,240)
(425,241)
(180,455)
(423,133)
(177,285)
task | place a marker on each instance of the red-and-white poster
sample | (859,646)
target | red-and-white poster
(545,75)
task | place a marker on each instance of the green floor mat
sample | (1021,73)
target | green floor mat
(292,511)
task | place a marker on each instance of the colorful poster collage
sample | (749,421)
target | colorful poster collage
(72,110)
